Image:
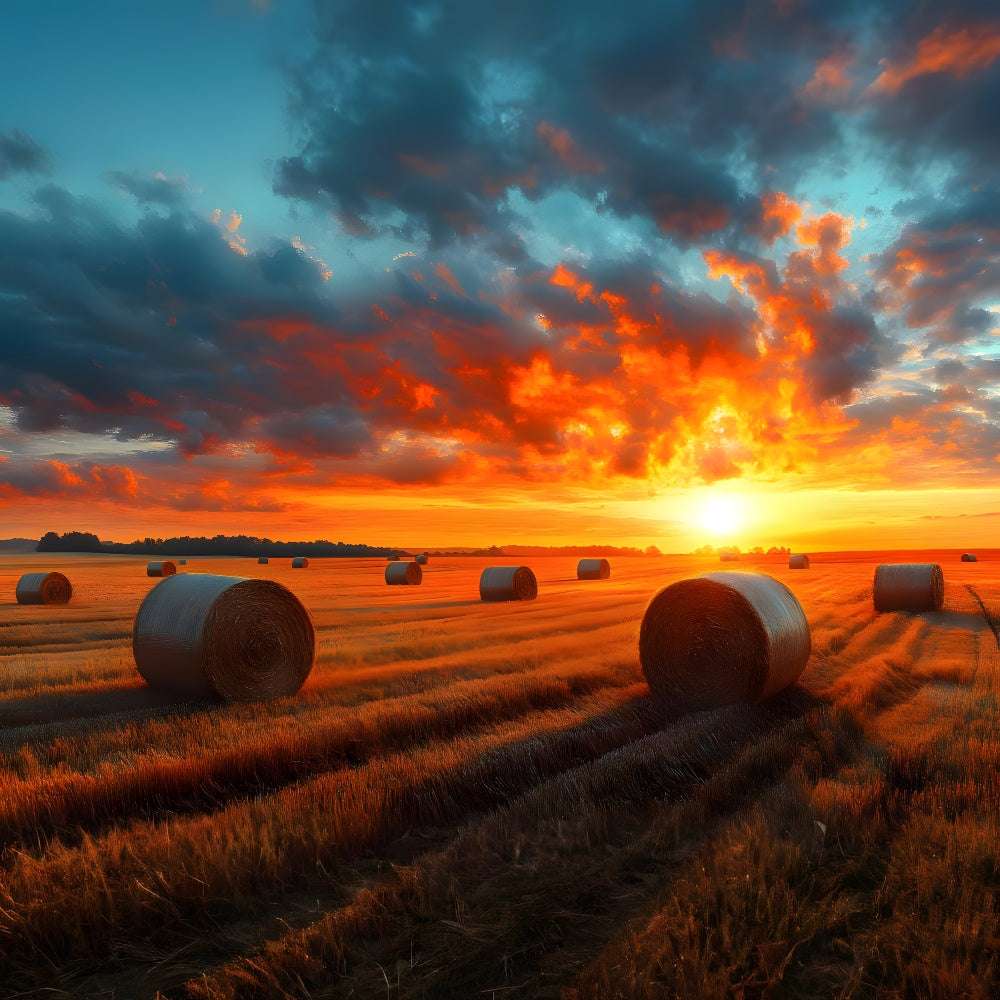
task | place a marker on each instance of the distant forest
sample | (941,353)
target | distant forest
(249,545)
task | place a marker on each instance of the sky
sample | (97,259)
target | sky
(453,273)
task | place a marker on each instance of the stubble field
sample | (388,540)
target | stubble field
(471,799)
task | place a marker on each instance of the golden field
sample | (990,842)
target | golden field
(470,799)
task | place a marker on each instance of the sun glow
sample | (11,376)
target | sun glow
(720,515)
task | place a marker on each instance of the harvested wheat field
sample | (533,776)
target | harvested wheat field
(470,798)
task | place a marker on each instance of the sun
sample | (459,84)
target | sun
(720,515)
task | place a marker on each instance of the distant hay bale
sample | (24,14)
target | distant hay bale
(909,587)
(798,561)
(43,588)
(161,569)
(722,638)
(392,558)
(261,560)
(403,573)
(300,562)
(182,562)
(728,557)
(422,559)
(969,557)
(508,583)
(593,569)
(201,636)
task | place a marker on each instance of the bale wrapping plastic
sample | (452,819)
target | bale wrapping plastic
(403,573)
(300,562)
(202,636)
(182,562)
(969,557)
(798,561)
(593,569)
(43,588)
(422,559)
(261,560)
(908,587)
(161,569)
(507,583)
(722,638)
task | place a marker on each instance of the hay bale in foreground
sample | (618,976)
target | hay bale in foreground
(43,588)
(165,568)
(403,573)
(969,557)
(300,562)
(593,569)
(262,560)
(722,638)
(909,587)
(798,561)
(507,583)
(201,636)
(422,559)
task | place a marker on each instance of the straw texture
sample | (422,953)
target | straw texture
(593,569)
(798,561)
(508,583)
(422,559)
(722,638)
(909,587)
(43,588)
(969,557)
(201,636)
(300,562)
(261,560)
(403,574)
(161,569)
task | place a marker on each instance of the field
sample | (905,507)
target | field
(481,800)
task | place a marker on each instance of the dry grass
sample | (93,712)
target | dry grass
(471,799)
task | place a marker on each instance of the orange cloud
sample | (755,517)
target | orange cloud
(779,214)
(830,80)
(959,52)
(562,144)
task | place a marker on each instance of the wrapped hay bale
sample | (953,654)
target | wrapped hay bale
(593,569)
(261,560)
(201,636)
(508,583)
(728,557)
(798,561)
(392,558)
(722,638)
(909,587)
(43,588)
(300,562)
(182,562)
(969,557)
(422,559)
(403,573)
(161,569)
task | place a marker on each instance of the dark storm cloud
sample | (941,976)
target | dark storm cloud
(19,153)
(418,117)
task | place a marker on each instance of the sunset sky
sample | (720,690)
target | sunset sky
(456,273)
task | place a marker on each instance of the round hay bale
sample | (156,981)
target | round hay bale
(182,562)
(722,638)
(798,561)
(43,588)
(261,560)
(392,558)
(909,587)
(508,583)
(161,569)
(593,569)
(422,559)
(969,557)
(300,562)
(403,573)
(202,636)
(728,557)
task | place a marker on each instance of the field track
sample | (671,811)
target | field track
(474,799)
